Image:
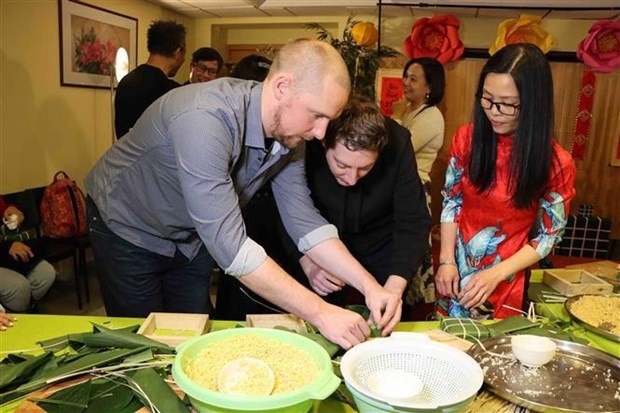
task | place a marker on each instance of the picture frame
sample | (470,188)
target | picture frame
(388,89)
(615,155)
(89,38)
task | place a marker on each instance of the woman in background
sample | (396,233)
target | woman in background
(423,89)
(24,276)
(506,176)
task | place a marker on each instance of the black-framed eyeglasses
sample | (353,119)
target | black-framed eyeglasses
(204,69)
(503,108)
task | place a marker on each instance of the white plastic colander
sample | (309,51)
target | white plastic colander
(450,378)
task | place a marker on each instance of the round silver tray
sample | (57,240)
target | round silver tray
(607,334)
(578,379)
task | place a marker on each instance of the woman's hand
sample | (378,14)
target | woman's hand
(479,288)
(447,280)
(20,252)
(321,281)
(6,320)
(11,210)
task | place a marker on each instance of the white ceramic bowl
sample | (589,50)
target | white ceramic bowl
(533,351)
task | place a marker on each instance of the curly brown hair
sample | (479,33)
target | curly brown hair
(360,126)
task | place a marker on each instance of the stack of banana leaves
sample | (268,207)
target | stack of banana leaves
(121,372)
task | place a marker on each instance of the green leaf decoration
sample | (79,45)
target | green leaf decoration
(13,374)
(157,391)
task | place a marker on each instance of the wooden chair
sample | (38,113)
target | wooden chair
(54,249)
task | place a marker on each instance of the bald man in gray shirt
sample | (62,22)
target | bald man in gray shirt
(165,202)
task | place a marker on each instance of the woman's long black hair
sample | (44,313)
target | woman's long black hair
(532,147)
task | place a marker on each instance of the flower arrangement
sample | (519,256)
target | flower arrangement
(361,59)
(600,50)
(436,37)
(91,55)
(525,29)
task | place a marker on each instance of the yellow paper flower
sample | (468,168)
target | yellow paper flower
(364,33)
(525,29)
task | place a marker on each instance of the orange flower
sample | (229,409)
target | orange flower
(436,37)
(525,29)
(364,33)
(600,50)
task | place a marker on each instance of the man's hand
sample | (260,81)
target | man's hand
(6,320)
(343,327)
(447,280)
(385,309)
(20,252)
(321,281)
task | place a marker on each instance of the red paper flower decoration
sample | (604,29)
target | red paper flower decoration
(600,50)
(436,37)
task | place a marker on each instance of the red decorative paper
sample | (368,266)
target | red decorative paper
(391,91)
(584,115)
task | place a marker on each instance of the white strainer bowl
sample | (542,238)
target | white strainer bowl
(450,378)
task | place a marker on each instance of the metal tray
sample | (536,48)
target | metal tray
(607,334)
(578,379)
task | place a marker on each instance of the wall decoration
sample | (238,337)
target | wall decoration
(89,38)
(600,50)
(583,119)
(615,155)
(389,87)
(356,49)
(436,37)
(525,29)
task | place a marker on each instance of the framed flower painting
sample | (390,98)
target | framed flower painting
(89,39)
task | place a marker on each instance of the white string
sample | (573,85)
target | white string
(259,302)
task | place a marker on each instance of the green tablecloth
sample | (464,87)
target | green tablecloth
(31,328)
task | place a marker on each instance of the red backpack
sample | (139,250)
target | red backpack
(63,208)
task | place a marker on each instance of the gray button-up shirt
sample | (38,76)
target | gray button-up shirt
(196,156)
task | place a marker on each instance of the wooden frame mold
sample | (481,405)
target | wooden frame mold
(174,328)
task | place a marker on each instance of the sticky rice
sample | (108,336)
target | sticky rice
(293,368)
(599,311)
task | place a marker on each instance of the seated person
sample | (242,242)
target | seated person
(363,179)
(24,276)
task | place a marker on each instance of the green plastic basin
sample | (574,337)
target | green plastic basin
(298,401)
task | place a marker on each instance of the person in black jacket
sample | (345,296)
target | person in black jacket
(147,82)
(363,179)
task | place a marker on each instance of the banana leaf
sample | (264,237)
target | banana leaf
(365,313)
(122,338)
(73,399)
(13,374)
(16,358)
(93,396)
(318,338)
(82,364)
(510,325)
(157,391)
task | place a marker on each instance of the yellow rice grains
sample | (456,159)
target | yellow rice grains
(292,367)
(600,311)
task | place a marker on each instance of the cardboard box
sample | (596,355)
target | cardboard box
(575,282)
(174,328)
